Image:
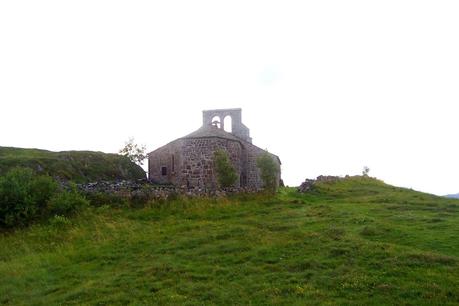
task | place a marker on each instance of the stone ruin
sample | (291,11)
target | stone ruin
(309,184)
(147,190)
(188,162)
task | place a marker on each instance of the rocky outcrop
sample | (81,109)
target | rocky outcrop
(328,178)
(309,184)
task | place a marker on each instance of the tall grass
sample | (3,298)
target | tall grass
(359,242)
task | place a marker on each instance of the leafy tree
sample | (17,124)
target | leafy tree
(226,174)
(269,171)
(365,171)
(136,153)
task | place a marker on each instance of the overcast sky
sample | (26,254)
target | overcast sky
(329,86)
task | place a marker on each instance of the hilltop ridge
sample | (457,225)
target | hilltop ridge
(78,166)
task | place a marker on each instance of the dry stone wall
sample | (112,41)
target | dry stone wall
(143,191)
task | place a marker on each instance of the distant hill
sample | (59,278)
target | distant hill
(453,196)
(78,166)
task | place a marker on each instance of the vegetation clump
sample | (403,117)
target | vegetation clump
(67,203)
(365,171)
(268,171)
(226,174)
(25,197)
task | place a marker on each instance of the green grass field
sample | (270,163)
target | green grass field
(354,242)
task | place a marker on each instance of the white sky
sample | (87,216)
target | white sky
(329,86)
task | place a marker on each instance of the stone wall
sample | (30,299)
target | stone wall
(148,190)
(170,157)
(189,163)
(251,155)
(238,128)
(198,161)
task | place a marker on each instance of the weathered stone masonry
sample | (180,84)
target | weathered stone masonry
(188,162)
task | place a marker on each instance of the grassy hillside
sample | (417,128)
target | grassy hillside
(354,242)
(79,166)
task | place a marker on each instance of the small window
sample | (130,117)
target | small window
(163,170)
(173,163)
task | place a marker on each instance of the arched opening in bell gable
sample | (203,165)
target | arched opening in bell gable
(216,121)
(228,124)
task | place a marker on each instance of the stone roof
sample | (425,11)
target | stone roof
(212,131)
(206,132)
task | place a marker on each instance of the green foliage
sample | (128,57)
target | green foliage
(59,221)
(136,153)
(23,196)
(105,198)
(67,202)
(355,241)
(268,171)
(77,166)
(365,171)
(226,175)
(43,187)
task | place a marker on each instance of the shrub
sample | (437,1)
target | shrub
(67,202)
(23,196)
(268,172)
(365,171)
(226,174)
(42,189)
